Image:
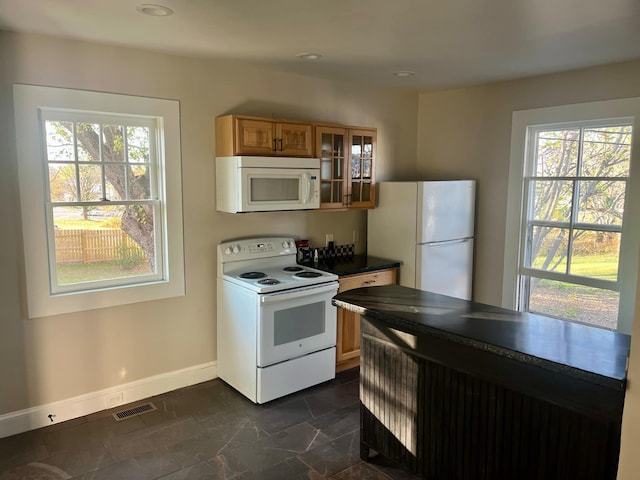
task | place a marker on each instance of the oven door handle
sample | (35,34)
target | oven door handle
(299,292)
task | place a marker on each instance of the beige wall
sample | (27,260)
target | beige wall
(49,359)
(467,132)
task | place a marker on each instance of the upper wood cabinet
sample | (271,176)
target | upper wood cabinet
(331,149)
(347,160)
(361,168)
(243,135)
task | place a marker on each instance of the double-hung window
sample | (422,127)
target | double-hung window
(575,188)
(571,245)
(103,200)
(100,191)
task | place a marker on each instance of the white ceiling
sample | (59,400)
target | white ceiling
(446,42)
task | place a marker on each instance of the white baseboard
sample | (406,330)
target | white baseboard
(36,417)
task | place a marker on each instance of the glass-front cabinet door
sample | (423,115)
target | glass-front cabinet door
(347,159)
(331,144)
(361,168)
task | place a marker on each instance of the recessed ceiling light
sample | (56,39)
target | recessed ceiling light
(154,10)
(404,73)
(309,56)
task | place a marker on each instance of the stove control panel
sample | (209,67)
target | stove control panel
(257,248)
(261,247)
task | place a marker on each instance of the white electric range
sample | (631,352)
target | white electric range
(276,325)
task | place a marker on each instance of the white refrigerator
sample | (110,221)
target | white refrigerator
(428,227)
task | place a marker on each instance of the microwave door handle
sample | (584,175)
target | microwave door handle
(307,188)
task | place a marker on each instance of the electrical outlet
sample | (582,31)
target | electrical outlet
(328,238)
(113,399)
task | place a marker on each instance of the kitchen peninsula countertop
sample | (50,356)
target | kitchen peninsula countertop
(587,353)
(356,264)
(451,388)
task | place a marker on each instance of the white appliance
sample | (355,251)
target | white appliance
(276,324)
(262,184)
(429,227)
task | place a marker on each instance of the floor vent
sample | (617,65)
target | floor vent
(132,412)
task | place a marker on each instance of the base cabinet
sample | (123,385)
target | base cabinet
(348,335)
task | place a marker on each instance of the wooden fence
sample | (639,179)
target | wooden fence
(93,246)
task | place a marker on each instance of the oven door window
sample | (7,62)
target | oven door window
(289,328)
(298,323)
(274,189)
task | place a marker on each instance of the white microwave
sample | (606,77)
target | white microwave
(267,184)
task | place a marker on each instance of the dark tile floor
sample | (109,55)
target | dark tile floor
(207,431)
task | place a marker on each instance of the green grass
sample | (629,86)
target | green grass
(81,224)
(604,267)
(77,224)
(82,272)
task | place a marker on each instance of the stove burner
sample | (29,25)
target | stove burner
(269,281)
(252,275)
(293,269)
(308,274)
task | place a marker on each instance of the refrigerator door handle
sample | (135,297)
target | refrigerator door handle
(448,242)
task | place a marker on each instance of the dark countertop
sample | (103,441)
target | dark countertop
(589,353)
(356,264)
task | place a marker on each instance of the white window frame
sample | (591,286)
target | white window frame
(32,104)
(523,123)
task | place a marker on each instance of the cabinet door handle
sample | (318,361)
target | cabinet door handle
(368,282)
(275,145)
(280,140)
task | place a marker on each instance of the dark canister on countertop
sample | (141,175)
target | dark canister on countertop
(305,253)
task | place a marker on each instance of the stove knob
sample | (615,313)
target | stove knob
(236,249)
(227,251)
(285,245)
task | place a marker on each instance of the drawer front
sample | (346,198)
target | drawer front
(373,279)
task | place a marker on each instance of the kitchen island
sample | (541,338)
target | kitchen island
(456,389)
